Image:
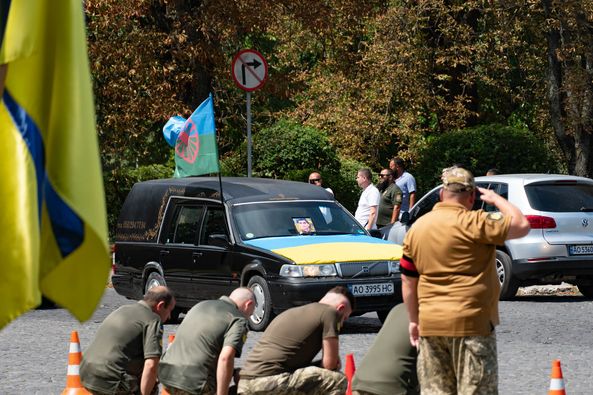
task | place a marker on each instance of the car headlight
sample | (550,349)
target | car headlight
(393,267)
(308,270)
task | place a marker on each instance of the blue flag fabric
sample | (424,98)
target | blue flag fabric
(53,219)
(196,152)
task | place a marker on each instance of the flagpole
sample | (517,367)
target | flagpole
(248,134)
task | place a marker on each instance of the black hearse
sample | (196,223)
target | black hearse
(288,241)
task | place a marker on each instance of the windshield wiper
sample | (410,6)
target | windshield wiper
(586,209)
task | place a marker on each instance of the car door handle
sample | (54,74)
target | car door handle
(165,252)
(197,254)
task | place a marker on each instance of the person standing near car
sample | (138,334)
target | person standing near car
(366,212)
(213,332)
(315,179)
(280,363)
(124,356)
(391,199)
(406,182)
(451,289)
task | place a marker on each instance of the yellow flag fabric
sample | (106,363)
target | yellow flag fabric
(53,218)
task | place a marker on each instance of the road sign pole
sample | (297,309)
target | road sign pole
(248,94)
(250,72)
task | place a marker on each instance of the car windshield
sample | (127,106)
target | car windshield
(274,219)
(560,197)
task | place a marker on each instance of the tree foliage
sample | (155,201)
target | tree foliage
(510,150)
(378,78)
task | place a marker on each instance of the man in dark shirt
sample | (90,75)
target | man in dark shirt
(280,362)
(391,199)
(124,356)
(389,367)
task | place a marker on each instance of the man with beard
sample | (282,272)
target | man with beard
(391,199)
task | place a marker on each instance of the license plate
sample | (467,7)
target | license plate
(580,249)
(371,289)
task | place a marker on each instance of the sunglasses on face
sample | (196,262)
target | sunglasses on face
(314,180)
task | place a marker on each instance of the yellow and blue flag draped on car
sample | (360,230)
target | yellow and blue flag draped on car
(53,219)
(304,250)
(194,140)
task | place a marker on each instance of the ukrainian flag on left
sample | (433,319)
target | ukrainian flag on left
(53,222)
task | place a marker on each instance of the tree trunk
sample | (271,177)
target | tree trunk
(570,91)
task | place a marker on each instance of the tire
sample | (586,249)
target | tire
(47,304)
(174,319)
(508,284)
(154,279)
(382,314)
(585,285)
(262,315)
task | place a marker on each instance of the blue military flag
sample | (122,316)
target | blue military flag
(194,140)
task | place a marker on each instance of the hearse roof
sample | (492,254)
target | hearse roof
(239,189)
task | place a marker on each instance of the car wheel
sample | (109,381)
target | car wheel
(586,289)
(262,315)
(154,279)
(174,319)
(508,284)
(382,314)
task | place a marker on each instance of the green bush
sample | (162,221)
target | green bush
(509,149)
(287,146)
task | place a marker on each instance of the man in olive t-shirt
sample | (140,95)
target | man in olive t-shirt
(389,366)
(391,199)
(212,334)
(124,356)
(279,362)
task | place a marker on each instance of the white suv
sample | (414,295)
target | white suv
(559,246)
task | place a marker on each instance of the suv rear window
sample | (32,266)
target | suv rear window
(560,197)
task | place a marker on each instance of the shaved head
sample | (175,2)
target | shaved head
(244,299)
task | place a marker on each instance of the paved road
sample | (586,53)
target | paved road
(534,331)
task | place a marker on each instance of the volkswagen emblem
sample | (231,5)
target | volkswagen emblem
(585,222)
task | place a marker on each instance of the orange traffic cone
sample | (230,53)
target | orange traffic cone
(349,371)
(556,379)
(171,339)
(73,384)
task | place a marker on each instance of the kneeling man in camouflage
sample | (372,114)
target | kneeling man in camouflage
(281,362)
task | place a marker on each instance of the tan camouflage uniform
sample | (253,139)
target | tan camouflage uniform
(306,381)
(474,362)
(207,390)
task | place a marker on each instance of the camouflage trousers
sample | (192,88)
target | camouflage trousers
(458,365)
(129,385)
(306,381)
(207,390)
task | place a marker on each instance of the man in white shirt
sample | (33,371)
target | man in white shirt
(366,212)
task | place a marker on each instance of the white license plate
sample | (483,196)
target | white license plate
(371,289)
(580,249)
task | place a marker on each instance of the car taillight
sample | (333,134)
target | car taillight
(541,222)
(113,249)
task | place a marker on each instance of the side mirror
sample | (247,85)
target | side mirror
(405,219)
(376,233)
(218,240)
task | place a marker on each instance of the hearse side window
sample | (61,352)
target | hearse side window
(213,224)
(185,224)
